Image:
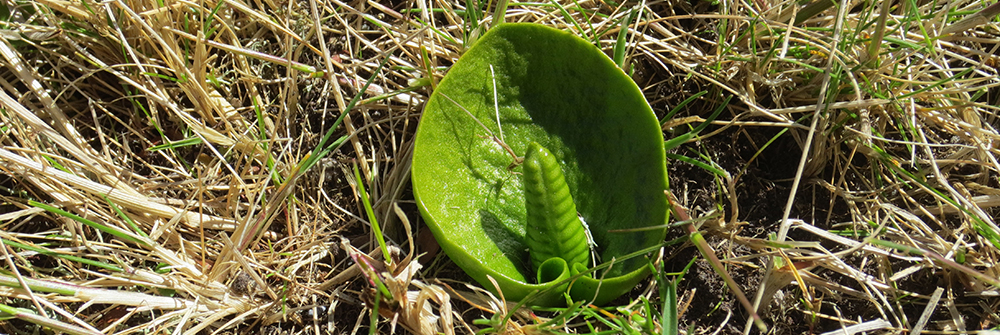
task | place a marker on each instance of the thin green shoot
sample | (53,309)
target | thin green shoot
(77,259)
(208,32)
(567,313)
(568,17)
(499,13)
(428,69)
(850,233)
(625,324)
(436,31)
(647,320)
(39,285)
(621,42)
(263,141)
(115,231)
(578,311)
(903,43)
(937,83)
(522,303)
(804,65)
(217,80)
(669,317)
(472,14)
(918,20)
(190,141)
(322,149)
(680,106)
(587,17)
(677,141)
(368,272)
(123,216)
(812,9)
(602,316)
(714,169)
(721,31)
(161,76)
(56,164)
(186,44)
(378,299)
(371,215)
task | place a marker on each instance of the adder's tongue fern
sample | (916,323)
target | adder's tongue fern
(553,228)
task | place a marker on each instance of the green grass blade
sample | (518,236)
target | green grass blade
(499,13)
(677,109)
(77,259)
(121,214)
(115,231)
(705,166)
(569,17)
(371,215)
(677,141)
(176,144)
(322,149)
(620,43)
(669,324)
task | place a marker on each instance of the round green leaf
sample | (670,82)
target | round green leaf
(558,90)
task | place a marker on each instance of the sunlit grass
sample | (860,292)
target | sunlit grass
(158,154)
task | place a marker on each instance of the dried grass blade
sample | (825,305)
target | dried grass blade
(141,204)
(46,322)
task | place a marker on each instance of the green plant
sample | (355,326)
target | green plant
(557,239)
(522,84)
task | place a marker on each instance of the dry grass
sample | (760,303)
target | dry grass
(158,182)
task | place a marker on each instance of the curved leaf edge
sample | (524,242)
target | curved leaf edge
(580,288)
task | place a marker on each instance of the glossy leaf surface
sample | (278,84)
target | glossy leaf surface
(555,89)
